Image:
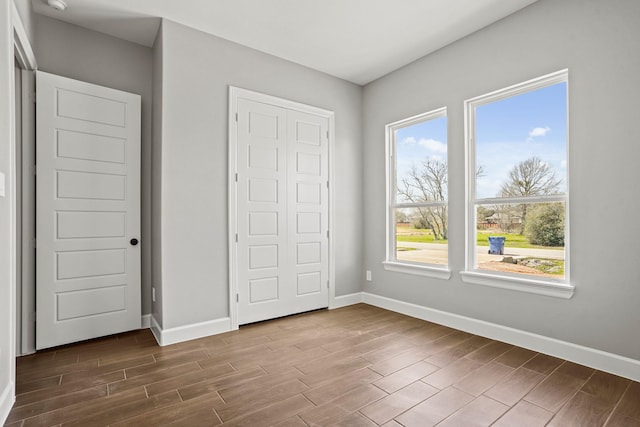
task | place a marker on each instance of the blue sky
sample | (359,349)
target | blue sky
(507,132)
(418,142)
(514,129)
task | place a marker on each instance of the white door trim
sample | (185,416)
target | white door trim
(19,43)
(23,51)
(26,58)
(234,94)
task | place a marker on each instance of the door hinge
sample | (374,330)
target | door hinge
(237,297)
(35,243)
(236,117)
(327,134)
(327,284)
(327,185)
(236,237)
(236,176)
(327,234)
(35,170)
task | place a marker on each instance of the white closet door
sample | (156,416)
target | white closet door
(307,180)
(263,283)
(88,211)
(282,211)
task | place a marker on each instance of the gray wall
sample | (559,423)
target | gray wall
(81,54)
(197,70)
(156,179)
(598,42)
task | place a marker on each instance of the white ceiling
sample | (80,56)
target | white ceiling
(356,40)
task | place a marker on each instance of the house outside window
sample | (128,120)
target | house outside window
(517,186)
(417,179)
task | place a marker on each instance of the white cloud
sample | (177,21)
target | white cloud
(433,145)
(539,132)
(409,140)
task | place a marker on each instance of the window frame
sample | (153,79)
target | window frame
(391,262)
(561,288)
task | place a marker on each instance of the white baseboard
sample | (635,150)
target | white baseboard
(7,399)
(145,321)
(597,359)
(218,326)
(156,330)
(189,332)
(345,300)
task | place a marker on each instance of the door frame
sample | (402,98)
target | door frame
(234,94)
(24,327)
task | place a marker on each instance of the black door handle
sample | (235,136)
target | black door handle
(133,242)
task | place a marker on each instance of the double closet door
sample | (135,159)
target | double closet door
(282,212)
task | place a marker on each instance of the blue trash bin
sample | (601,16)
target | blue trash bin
(496,245)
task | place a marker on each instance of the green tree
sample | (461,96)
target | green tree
(545,224)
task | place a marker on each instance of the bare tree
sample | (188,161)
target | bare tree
(531,177)
(428,184)
(508,217)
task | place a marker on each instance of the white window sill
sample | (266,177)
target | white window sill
(419,270)
(532,286)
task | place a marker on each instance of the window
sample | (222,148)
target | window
(417,174)
(517,187)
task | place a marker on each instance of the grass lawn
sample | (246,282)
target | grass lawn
(545,265)
(513,240)
(406,233)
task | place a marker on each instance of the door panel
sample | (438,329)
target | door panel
(282,212)
(88,208)
(262,211)
(308,177)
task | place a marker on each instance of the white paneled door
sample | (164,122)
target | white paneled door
(88,211)
(282,213)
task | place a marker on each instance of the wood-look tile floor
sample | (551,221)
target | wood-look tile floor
(355,366)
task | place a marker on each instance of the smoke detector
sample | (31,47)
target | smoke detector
(57,4)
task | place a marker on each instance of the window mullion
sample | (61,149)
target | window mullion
(420,205)
(520,200)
